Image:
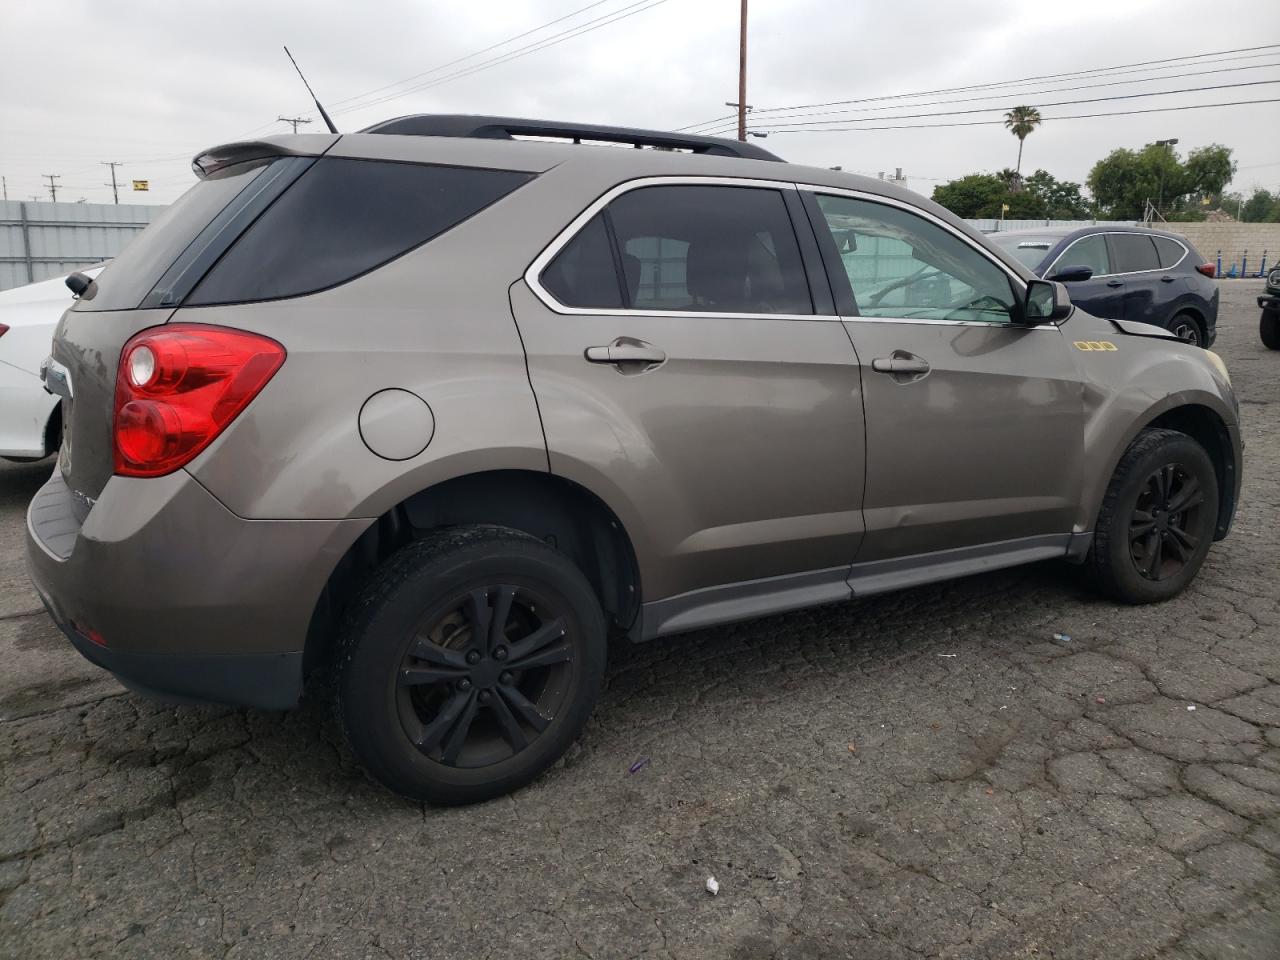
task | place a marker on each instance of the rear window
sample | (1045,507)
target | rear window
(343,218)
(132,274)
(1133,252)
(1169,250)
(1030,253)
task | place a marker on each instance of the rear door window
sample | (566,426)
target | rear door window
(583,274)
(1169,251)
(343,218)
(1133,252)
(709,249)
(1087,252)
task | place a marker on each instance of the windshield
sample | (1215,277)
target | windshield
(1030,251)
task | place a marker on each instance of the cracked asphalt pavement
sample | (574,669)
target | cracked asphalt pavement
(923,774)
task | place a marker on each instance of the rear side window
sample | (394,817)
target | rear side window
(583,274)
(1088,252)
(127,279)
(693,249)
(1133,252)
(1169,250)
(343,218)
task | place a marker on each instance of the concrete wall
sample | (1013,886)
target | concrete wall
(1232,240)
(39,240)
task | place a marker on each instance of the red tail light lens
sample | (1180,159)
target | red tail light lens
(1208,269)
(3,329)
(178,386)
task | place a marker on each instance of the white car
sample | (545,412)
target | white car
(30,423)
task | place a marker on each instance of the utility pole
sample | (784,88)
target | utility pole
(115,193)
(5,184)
(293,120)
(53,187)
(1170,144)
(742,74)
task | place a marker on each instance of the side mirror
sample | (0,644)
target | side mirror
(1072,273)
(1046,301)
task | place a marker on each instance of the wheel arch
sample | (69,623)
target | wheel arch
(556,510)
(1200,417)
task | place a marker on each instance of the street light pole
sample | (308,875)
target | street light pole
(742,73)
(1160,197)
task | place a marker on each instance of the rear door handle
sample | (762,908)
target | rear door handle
(1168,279)
(627,350)
(1115,283)
(907,365)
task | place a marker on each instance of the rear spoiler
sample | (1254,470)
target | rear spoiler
(246,151)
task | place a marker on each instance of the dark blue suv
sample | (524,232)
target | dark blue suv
(1126,273)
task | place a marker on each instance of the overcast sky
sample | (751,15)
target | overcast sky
(150,84)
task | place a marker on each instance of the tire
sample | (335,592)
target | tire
(427,701)
(1187,329)
(1269,329)
(1121,566)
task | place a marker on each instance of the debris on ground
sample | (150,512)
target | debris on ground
(1062,637)
(639,765)
(713,887)
(1099,699)
(1191,706)
(949,655)
(853,748)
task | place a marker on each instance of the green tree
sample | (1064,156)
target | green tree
(1263,206)
(1021,121)
(980,195)
(975,196)
(1059,199)
(1125,180)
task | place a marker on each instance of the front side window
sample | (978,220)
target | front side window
(1133,252)
(902,267)
(1087,252)
(686,248)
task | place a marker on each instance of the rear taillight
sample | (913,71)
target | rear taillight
(1208,269)
(178,386)
(3,329)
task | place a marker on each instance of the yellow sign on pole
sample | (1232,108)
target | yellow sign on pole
(141,185)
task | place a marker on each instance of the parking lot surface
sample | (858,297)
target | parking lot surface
(924,774)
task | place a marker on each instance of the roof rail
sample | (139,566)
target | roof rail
(507,128)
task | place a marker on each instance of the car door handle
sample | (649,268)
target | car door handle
(900,365)
(1115,283)
(627,350)
(1168,279)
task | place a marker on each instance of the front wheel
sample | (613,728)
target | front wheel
(1269,329)
(1157,519)
(468,664)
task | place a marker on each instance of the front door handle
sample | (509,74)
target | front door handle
(1115,283)
(899,364)
(626,350)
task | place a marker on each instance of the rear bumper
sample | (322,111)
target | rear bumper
(188,600)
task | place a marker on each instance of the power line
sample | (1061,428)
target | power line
(469,56)
(817,124)
(1115,70)
(519,52)
(1077,116)
(1029,93)
(1120,69)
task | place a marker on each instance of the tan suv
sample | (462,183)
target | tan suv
(445,409)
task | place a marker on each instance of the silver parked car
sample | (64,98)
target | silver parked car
(444,410)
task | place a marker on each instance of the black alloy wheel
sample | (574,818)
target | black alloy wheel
(484,675)
(1162,528)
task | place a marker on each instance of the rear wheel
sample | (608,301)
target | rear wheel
(1269,328)
(1157,519)
(1187,329)
(469,664)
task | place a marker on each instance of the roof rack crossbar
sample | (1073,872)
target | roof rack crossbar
(508,128)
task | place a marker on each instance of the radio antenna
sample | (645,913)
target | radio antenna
(324,116)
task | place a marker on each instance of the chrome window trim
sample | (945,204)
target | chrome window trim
(534,271)
(1020,285)
(1186,252)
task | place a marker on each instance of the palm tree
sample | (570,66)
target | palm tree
(1021,121)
